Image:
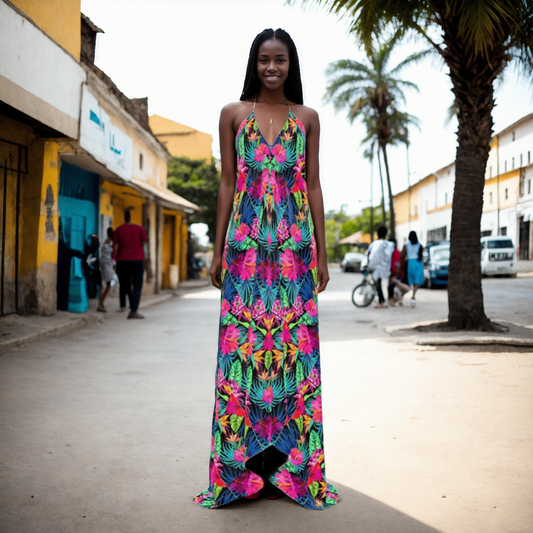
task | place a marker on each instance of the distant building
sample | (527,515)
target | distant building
(75,154)
(426,206)
(181,140)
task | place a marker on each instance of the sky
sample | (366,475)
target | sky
(189,58)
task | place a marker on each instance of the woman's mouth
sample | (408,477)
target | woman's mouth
(272,78)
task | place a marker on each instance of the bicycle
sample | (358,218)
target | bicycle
(364,293)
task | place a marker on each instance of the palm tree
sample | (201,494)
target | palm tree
(476,40)
(371,90)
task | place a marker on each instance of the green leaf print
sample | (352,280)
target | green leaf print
(300,423)
(299,372)
(235,374)
(313,488)
(314,442)
(249,375)
(218,442)
(299,144)
(283,297)
(235,422)
(268,359)
(298,198)
(218,489)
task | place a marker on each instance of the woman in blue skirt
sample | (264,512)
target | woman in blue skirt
(412,255)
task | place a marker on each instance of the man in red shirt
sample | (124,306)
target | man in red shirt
(128,244)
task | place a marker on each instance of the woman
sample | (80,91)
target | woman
(106,269)
(412,254)
(270,262)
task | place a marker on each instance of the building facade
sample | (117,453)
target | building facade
(75,154)
(426,207)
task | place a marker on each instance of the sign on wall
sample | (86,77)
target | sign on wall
(107,143)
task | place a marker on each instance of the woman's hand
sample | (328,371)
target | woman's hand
(322,275)
(216,271)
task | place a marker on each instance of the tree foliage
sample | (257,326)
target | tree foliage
(197,181)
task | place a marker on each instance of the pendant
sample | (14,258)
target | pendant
(270,121)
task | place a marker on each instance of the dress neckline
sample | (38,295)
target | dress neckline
(252,114)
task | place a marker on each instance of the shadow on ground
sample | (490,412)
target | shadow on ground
(356,512)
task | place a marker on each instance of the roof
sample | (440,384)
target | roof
(165,126)
(168,198)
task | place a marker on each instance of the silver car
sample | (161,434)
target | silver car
(498,256)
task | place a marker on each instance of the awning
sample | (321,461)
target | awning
(165,197)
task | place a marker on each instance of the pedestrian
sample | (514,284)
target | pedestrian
(396,288)
(412,257)
(107,270)
(267,433)
(379,261)
(129,240)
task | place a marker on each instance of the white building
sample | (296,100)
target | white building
(426,207)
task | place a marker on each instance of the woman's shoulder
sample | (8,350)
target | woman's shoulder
(306,115)
(235,112)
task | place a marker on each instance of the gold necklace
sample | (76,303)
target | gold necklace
(271,119)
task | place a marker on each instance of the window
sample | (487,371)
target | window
(437,235)
(503,231)
(521,162)
(505,166)
(426,206)
(529,186)
(512,163)
(487,233)
(528,157)
(506,194)
(513,134)
(490,198)
(490,172)
(445,198)
(141,161)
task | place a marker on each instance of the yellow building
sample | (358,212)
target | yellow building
(75,154)
(181,140)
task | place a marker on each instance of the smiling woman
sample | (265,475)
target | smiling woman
(270,263)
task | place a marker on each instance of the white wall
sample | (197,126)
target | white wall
(37,76)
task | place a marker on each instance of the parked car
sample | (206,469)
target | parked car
(436,262)
(352,262)
(498,256)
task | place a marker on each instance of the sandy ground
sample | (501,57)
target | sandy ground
(107,429)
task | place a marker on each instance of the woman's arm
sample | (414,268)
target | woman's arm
(227,189)
(316,201)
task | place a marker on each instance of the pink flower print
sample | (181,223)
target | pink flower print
(225,307)
(283,231)
(267,427)
(279,153)
(242,174)
(298,306)
(258,309)
(261,152)
(286,336)
(279,187)
(237,306)
(305,342)
(239,454)
(255,228)
(247,483)
(268,270)
(315,474)
(292,485)
(229,339)
(214,471)
(296,457)
(221,380)
(233,406)
(268,395)
(316,405)
(296,233)
(300,125)
(243,266)
(292,267)
(311,308)
(259,186)
(268,343)
(314,379)
(299,181)
(241,232)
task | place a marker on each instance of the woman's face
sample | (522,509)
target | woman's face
(272,64)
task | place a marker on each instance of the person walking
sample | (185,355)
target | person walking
(106,270)
(270,263)
(412,257)
(379,261)
(128,241)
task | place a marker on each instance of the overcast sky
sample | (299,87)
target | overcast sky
(189,57)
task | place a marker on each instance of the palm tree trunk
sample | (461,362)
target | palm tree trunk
(474,98)
(383,212)
(391,197)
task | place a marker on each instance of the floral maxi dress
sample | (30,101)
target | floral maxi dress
(268,389)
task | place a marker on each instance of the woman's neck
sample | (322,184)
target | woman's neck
(271,97)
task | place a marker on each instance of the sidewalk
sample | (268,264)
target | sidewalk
(16,330)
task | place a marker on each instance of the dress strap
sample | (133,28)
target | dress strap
(287,104)
(255,102)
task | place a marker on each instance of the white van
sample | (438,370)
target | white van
(498,256)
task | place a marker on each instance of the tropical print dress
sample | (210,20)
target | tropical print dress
(268,387)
